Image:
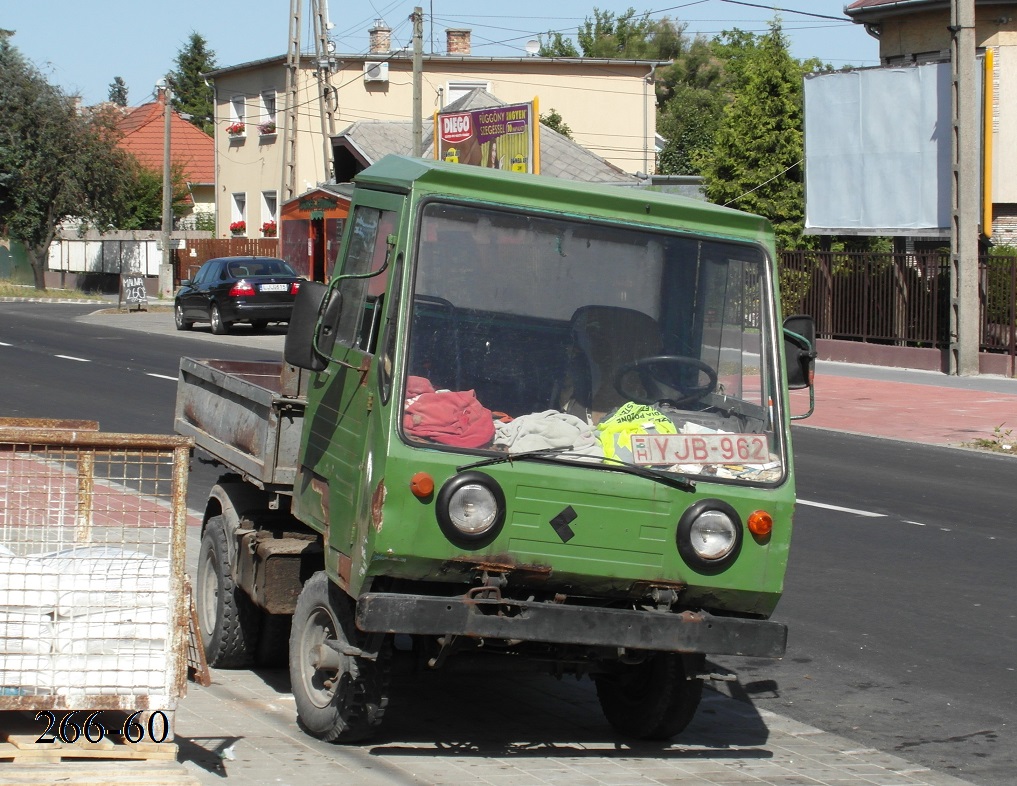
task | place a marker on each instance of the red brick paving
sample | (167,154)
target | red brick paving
(913,412)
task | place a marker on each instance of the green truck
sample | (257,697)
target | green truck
(529,422)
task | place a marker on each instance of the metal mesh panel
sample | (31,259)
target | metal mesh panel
(92,605)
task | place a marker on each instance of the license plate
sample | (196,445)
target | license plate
(274,287)
(700,449)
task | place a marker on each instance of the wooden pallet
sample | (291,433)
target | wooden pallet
(97,773)
(25,749)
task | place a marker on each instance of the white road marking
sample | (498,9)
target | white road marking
(865,513)
(162,376)
(71,357)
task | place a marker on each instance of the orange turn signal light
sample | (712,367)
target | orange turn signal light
(422,485)
(760,523)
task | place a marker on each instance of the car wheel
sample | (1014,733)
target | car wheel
(230,622)
(219,327)
(178,318)
(652,700)
(340,697)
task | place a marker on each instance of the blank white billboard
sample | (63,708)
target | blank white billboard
(877,151)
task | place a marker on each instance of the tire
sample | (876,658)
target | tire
(219,327)
(229,621)
(344,702)
(178,318)
(652,700)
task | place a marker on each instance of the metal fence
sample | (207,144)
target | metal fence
(93,613)
(898,299)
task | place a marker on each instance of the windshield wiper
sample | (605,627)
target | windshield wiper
(568,457)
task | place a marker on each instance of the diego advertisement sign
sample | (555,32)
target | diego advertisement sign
(499,137)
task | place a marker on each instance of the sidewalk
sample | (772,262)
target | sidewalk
(914,406)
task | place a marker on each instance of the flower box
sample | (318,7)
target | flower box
(267,129)
(269,229)
(238,227)
(236,129)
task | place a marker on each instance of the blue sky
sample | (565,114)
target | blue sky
(81,45)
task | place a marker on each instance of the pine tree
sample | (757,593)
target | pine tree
(191,96)
(756,160)
(118,91)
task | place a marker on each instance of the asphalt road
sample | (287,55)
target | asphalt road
(902,608)
(900,595)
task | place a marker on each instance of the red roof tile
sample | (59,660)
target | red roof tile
(190,147)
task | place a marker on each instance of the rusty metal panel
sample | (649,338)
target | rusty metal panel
(236,411)
(93,613)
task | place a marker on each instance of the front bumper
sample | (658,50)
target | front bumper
(553,623)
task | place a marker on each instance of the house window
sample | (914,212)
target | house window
(267,123)
(456,90)
(238,214)
(268,213)
(237,109)
(268,105)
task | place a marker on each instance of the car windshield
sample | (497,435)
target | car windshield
(247,268)
(532,333)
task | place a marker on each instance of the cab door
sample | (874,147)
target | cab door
(340,469)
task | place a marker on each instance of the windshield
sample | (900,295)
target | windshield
(537,333)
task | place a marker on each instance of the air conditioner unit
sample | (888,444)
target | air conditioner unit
(375,72)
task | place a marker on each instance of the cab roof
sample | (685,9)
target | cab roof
(424,177)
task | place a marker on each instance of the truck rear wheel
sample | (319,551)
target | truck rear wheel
(230,623)
(339,697)
(652,700)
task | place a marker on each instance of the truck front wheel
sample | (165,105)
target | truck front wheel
(340,697)
(652,700)
(230,623)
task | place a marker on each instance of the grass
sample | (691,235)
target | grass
(8,289)
(1000,442)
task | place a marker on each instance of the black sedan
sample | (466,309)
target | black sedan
(226,290)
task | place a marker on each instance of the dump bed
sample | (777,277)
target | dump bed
(246,414)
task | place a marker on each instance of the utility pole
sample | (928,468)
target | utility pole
(166,266)
(328,99)
(964,306)
(418,78)
(288,184)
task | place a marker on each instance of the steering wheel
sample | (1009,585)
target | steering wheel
(650,370)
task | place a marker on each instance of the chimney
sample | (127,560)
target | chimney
(457,40)
(381,37)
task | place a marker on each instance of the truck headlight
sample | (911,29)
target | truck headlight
(709,536)
(470,509)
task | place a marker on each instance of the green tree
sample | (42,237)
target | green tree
(142,203)
(191,96)
(56,162)
(690,100)
(557,45)
(118,91)
(554,121)
(630,37)
(756,160)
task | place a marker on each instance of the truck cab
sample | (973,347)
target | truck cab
(543,422)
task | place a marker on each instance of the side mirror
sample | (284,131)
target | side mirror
(184,282)
(800,350)
(317,307)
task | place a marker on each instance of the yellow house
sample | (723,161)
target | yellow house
(609,105)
